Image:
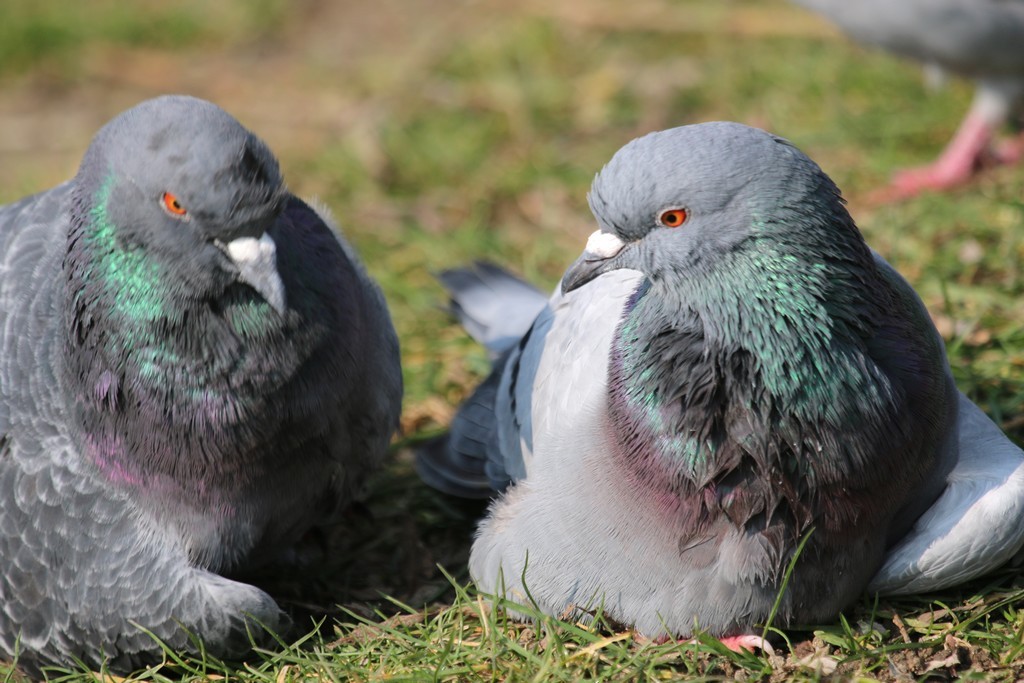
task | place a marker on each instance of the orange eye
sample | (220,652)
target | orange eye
(173,206)
(672,218)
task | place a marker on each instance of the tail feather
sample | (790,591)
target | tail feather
(497,309)
(440,468)
(494,306)
(456,463)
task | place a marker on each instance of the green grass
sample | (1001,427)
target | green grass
(473,132)
(54,33)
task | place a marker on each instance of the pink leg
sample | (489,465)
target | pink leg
(956,165)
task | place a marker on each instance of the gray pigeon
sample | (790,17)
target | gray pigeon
(194,372)
(978,39)
(726,370)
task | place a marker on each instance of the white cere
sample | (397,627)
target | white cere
(604,244)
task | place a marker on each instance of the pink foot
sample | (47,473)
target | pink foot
(913,181)
(749,643)
(735,643)
(958,162)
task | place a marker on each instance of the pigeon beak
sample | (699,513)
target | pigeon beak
(256,260)
(595,260)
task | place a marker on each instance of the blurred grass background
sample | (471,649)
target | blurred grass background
(441,132)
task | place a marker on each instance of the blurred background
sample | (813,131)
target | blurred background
(442,132)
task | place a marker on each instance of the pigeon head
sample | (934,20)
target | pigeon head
(176,189)
(682,204)
(759,292)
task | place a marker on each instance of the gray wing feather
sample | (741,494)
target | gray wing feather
(483,451)
(494,306)
(456,463)
(82,568)
(974,526)
(381,366)
(514,406)
(28,228)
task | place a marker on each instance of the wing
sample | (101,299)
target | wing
(974,526)
(930,397)
(30,245)
(375,349)
(82,569)
(457,462)
(344,400)
(554,387)
(483,451)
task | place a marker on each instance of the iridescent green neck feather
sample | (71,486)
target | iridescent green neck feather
(763,354)
(131,279)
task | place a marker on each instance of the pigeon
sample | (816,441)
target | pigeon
(978,39)
(195,374)
(727,388)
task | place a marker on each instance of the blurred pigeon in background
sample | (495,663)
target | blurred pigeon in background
(979,39)
(194,372)
(726,371)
